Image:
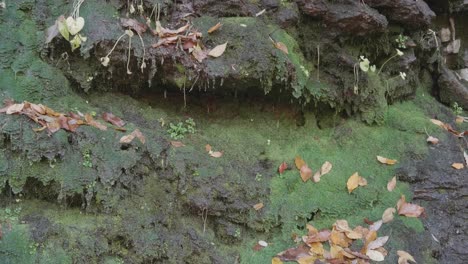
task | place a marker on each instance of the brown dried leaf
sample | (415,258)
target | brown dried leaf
(258,206)
(432,140)
(375,255)
(362,181)
(317,248)
(137,133)
(388,215)
(214,28)
(459,119)
(439,123)
(391,184)
(353,182)
(218,50)
(409,209)
(404,256)
(131,23)
(90,121)
(126,139)
(111,118)
(177,144)
(458,166)
(216,154)
(339,238)
(208,147)
(306,173)
(164,32)
(38,108)
(199,54)
(307,260)
(294,254)
(282,167)
(282,47)
(378,242)
(321,236)
(386,161)
(14,109)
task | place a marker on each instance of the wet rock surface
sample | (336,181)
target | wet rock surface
(414,14)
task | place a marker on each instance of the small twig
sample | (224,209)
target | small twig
(318,63)
(193,85)
(204,218)
(129,50)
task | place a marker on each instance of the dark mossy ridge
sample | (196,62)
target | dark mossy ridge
(84,198)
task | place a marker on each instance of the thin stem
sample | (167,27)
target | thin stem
(129,50)
(115,45)
(318,63)
(381,67)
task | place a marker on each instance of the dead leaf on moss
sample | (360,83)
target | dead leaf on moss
(131,23)
(388,215)
(276,260)
(111,118)
(353,182)
(386,161)
(404,257)
(299,162)
(282,47)
(439,123)
(14,109)
(177,144)
(90,121)
(258,206)
(458,166)
(460,119)
(409,209)
(391,184)
(208,147)
(216,154)
(293,254)
(432,140)
(326,168)
(282,167)
(218,50)
(378,242)
(375,255)
(214,28)
(127,139)
(306,173)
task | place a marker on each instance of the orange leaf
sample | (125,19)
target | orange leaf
(386,161)
(306,173)
(208,147)
(177,144)
(214,28)
(282,47)
(299,162)
(391,184)
(458,166)
(258,206)
(353,182)
(282,167)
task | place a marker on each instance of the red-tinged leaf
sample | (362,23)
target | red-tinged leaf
(189,44)
(214,28)
(294,254)
(177,144)
(258,206)
(111,118)
(74,116)
(137,133)
(306,173)
(90,121)
(391,184)
(216,154)
(38,108)
(51,112)
(409,209)
(282,167)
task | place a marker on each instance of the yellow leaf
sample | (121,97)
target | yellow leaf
(299,162)
(386,161)
(391,184)
(316,248)
(353,182)
(218,50)
(307,260)
(405,256)
(282,47)
(214,28)
(458,166)
(388,215)
(276,260)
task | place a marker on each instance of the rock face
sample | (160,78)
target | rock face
(452,89)
(413,14)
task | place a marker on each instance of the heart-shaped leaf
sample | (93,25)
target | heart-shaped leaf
(75,25)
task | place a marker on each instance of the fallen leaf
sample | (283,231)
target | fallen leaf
(14,109)
(409,209)
(362,181)
(299,162)
(306,173)
(282,167)
(131,23)
(388,215)
(432,140)
(216,154)
(326,168)
(214,28)
(165,33)
(404,257)
(218,50)
(126,139)
(375,226)
(378,242)
(111,118)
(282,47)
(375,255)
(90,121)
(439,123)
(458,166)
(276,260)
(386,161)
(137,133)
(258,206)
(199,54)
(177,144)
(294,254)
(317,248)
(391,184)
(321,236)
(341,226)
(339,238)
(208,147)
(353,182)
(307,260)
(260,13)
(459,119)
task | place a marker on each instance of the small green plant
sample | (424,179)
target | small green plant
(401,41)
(181,129)
(458,110)
(237,232)
(87,162)
(258,177)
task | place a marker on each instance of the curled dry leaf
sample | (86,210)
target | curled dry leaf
(386,161)
(90,121)
(354,181)
(299,162)
(218,50)
(111,118)
(326,168)
(258,206)
(282,47)
(388,215)
(282,167)
(306,173)
(458,166)
(127,139)
(391,184)
(177,144)
(432,140)
(409,209)
(14,109)
(378,242)
(294,254)
(404,257)
(214,28)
